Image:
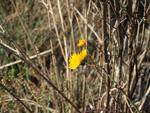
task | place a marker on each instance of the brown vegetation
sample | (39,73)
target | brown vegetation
(37,38)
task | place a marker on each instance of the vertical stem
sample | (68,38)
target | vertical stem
(56,28)
(83,94)
(120,44)
(105,57)
(66,54)
(134,80)
(129,9)
(85,34)
(70,16)
(143,29)
(55,67)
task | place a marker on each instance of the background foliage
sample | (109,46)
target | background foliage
(117,34)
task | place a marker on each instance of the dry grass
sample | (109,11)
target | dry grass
(117,35)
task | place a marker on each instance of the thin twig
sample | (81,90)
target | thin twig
(15,97)
(19,61)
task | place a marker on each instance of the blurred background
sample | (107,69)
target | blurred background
(47,31)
